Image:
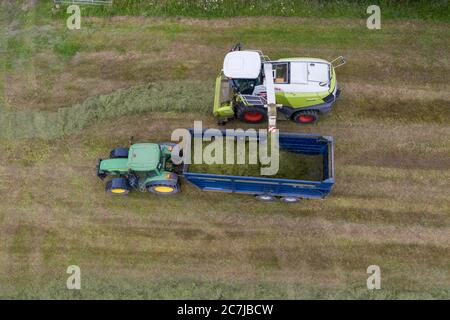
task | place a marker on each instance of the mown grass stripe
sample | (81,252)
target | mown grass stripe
(173,96)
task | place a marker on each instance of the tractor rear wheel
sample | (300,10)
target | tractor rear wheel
(251,114)
(118,186)
(306,117)
(119,153)
(265,197)
(162,189)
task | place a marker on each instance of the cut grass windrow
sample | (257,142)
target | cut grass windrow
(173,96)
(194,96)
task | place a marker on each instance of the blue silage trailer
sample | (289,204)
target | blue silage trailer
(269,188)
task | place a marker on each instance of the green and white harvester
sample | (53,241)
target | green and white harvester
(255,89)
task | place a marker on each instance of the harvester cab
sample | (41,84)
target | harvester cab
(254,89)
(143,166)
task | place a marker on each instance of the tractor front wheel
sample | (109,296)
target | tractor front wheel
(118,187)
(162,189)
(251,114)
(306,117)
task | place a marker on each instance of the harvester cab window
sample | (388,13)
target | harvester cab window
(246,86)
(281,73)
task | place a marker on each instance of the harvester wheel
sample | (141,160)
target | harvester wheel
(265,197)
(306,117)
(290,199)
(162,189)
(118,186)
(251,114)
(119,153)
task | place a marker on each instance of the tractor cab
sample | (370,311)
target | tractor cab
(243,69)
(140,157)
(145,157)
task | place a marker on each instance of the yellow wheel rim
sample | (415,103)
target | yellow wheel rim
(118,190)
(163,189)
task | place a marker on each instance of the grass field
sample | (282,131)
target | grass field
(68,97)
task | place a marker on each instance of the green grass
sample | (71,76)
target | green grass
(17,51)
(173,96)
(186,288)
(423,10)
(67,48)
(71,97)
(109,54)
(318,249)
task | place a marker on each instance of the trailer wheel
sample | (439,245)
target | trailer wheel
(305,117)
(119,153)
(118,186)
(251,114)
(162,189)
(265,197)
(290,199)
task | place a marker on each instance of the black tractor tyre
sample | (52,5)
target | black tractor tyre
(265,197)
(163,189)
(305,117)
(251,114)
(118,187)
(119,153)
(290,199)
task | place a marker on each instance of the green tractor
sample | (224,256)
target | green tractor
(145,167)
(299,89)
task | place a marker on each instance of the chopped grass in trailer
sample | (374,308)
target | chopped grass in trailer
(292,165)
(287,182)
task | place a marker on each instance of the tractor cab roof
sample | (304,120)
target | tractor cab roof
(144,157)
(242,64)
